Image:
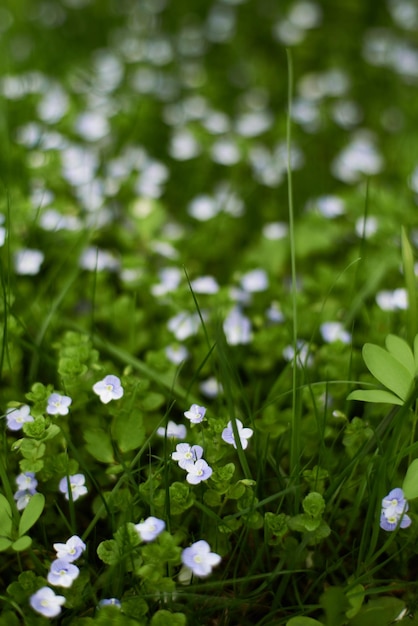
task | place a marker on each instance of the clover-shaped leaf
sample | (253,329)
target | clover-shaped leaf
(394,368)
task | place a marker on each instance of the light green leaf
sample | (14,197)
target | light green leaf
(31,513)
(375,395)
(400,349)
(410,483)
(4,544)
(303,621)
(387,370)
(99,445)
(5,517)
(23,543)
(128,430)
(416,353)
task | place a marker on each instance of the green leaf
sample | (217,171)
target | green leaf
(378,611)
(410,483)
(335,604)
(303,621)
(314,504)
(387,370)
(108,552)
(416,353)
(5,518)
(166,618)
(31,513)
(356,598)
(128,431)
(23,543)
(99,444)
(375,395)
(408,262)
(4,544)
(400,349)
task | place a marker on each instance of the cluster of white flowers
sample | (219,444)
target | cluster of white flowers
(62,573)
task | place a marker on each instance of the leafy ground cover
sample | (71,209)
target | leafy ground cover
(209,315)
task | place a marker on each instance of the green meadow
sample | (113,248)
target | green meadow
(209,323)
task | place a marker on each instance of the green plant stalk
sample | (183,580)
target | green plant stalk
(410,281)
(295,442)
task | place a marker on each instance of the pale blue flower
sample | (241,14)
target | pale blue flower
(58,405)
(198,471)
(176,353)
(27,481)
(77,486)
(393,514)
(16,417)
(110,602)
(334,331)
(186,454)
(71,550)
(200,559)
(62,573)
(243,433)
(173,431)
(27,484)
(45,602)
(237,328)
(195,414)
(108,389)
(150,528)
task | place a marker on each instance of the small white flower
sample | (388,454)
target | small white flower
(243,433)
(334,331)
(150,528)
(198,471)
(77,486)
(108,389)
(173,431)
(195,414)
(71,550)
(237,328)
(62,573)
(58,405)
(16,417)
(186,454)
(45,602)
(200,559)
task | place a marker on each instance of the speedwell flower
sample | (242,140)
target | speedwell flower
(195,414)
(150,528)
(173,431)
(198,471)
(200,559)
(393,514)
(58,405)
(244,434)
(186,454)
(27,484)
(108,389)
(62,573)
(77,486)
(45,602)
(71,550)
(16,417)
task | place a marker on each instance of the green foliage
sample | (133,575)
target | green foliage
(394,367)
(410,482)
(166,618)
(164,162)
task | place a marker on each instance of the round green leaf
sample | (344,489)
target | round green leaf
(23,543)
